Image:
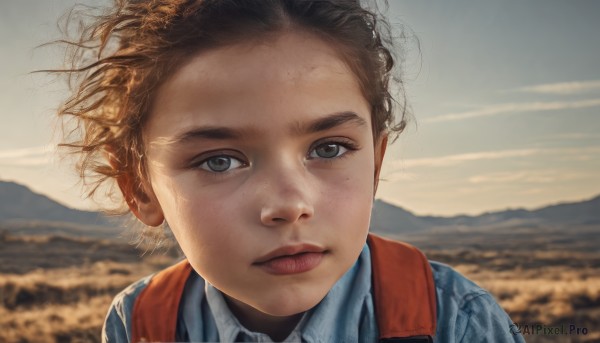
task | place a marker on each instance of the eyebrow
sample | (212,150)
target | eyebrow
(209,132)
(226,133)
(329,122)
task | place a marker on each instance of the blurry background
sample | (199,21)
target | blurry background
(506,103)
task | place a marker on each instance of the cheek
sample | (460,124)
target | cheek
(203,218)
(347,197)
(206,231)
(195,216)
(355,181)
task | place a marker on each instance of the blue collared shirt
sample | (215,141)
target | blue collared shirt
(465,312)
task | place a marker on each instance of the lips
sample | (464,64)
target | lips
(291,259)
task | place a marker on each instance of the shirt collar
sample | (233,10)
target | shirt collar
(230,329)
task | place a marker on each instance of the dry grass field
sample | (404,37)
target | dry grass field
(57,289)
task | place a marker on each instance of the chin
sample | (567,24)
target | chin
(288,309)
(291,304)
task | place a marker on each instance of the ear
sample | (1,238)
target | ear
(141,201)
(380,147)
(139,196)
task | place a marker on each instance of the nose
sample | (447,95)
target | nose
(285,198)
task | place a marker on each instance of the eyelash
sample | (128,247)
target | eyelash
(205,161)
(344,143)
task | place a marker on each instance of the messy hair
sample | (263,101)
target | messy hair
(121,57)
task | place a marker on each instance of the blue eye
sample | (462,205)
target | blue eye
(220,164)
(328,150)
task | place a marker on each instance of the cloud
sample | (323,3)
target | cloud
(563,87)
(27,157)
(24,152)
(527,176)
(449,160)
(510,108)
(572,136)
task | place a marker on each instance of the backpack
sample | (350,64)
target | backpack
(403,291)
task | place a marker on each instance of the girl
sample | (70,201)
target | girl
(256,129)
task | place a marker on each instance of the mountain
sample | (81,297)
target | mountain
(391,219)
(387,218)
(19,204)
(582,212)
(36,213)
(585,212)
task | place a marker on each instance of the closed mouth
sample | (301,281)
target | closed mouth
(289,251)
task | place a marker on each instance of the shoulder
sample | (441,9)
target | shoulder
(467,312)
(453,286)
(152,296)
(117,325)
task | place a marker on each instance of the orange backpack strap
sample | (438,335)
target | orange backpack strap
(157,306)
(403,291)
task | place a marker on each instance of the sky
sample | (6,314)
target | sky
(505,97)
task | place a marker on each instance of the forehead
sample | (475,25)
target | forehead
(288,77)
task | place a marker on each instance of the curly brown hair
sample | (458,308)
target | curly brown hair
(122,56)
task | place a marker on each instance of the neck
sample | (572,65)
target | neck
(277,327)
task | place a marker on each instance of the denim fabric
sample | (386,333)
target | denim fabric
(465,312)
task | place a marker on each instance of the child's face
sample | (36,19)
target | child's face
(256,147)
